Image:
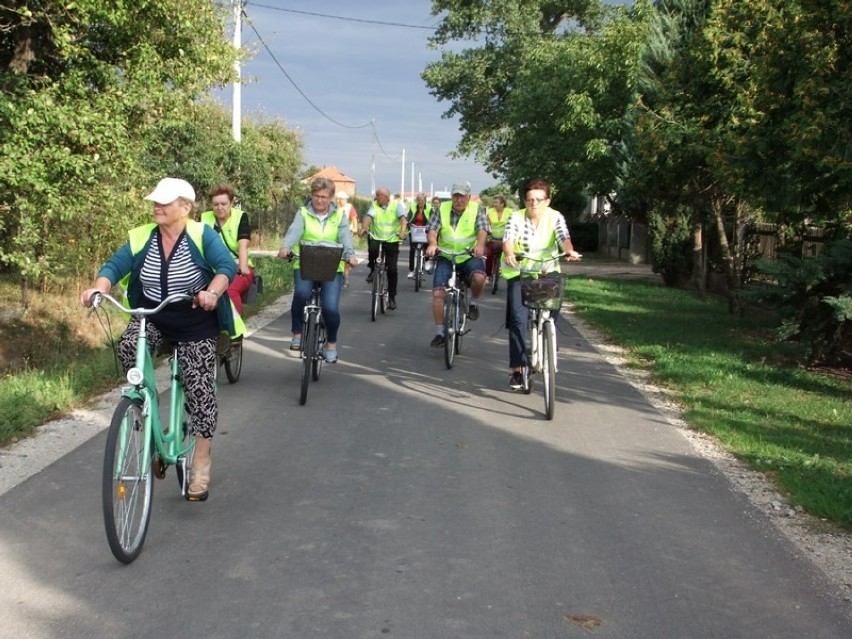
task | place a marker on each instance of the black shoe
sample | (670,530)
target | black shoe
(437,341)
(391,304)
(473,312)
(370,278)
(516,381)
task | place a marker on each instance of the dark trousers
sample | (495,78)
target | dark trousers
(391,250)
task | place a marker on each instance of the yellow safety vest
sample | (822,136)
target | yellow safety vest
(316,231)
(229,230)
(463,235)
(498,227)
(386,225)
(541,245)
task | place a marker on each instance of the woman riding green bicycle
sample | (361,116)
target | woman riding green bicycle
(178,255)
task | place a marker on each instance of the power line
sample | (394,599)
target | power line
(344,18)
(296,86)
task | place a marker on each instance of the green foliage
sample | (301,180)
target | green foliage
(671,247)
(101,100)
(814,299)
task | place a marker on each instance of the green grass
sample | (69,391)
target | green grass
(733,382)
(33,396)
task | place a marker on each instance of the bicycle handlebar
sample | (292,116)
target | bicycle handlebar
(97,298)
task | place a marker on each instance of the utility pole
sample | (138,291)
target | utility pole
(236,115)
(373,162)
(402,179)
(412,179)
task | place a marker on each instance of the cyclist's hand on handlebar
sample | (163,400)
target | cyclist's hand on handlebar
(206,300)
(431,250)
(88,296)
(353,261)
(284,253)
(478,250)
(573,256)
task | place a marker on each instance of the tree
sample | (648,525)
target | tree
(87,86)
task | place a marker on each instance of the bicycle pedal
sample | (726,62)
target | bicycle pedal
(158,468)
(202,497)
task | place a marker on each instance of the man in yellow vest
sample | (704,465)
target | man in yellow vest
(387,226)
(234,228)
(459,225)
(498,216)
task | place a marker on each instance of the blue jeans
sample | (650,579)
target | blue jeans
(517,316)
(466,269)
(329,298)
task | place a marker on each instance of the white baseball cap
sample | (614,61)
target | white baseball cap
(341,195)
(169,189)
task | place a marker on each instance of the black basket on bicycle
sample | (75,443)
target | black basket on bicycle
(319,262)
(544,292)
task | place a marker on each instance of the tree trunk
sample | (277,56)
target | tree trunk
(699,262)
(732,278)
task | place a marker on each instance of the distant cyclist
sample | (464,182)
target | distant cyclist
(418,217)
(458,226)
(386,225)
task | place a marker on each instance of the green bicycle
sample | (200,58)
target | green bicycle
(138,445)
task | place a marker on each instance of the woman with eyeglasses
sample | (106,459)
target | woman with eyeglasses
(536,231)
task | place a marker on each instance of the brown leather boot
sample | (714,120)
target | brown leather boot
(199,476)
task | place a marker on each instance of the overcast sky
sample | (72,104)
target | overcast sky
(355,71)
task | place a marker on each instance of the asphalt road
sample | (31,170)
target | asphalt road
(408,500)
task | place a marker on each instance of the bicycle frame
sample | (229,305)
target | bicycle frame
(143,380)
(455,309)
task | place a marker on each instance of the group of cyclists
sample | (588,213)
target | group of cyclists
(476,235)
(209,259)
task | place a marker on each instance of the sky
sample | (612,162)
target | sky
(354,72)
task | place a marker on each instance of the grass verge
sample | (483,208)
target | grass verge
(734,382)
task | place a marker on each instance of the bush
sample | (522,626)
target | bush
(671,247)
(814,298)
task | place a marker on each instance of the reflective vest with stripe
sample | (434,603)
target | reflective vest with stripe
(463,235)
(315,231)
(386,225)
(229,318)
(229,230)
(542,244)
(498,227)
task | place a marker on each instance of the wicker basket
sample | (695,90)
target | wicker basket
(319,262)
(545,292)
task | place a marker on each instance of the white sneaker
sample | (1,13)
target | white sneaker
(411,275)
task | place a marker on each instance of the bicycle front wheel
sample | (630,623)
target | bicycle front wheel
(450,327)
(309,352)
(548,368)
(316,367)
(234,361)
(495,275)
(418,268)
(127,486)
(383,290)
(374,301)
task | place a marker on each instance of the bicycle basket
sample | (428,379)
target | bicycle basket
(418,234)
(318,262)
(545,292)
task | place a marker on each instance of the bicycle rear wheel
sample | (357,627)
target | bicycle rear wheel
(450,327)
(233,360)
(309,351)
(548,368)
(127,485)
(316,367)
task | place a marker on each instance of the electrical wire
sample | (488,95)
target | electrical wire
(344,18)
